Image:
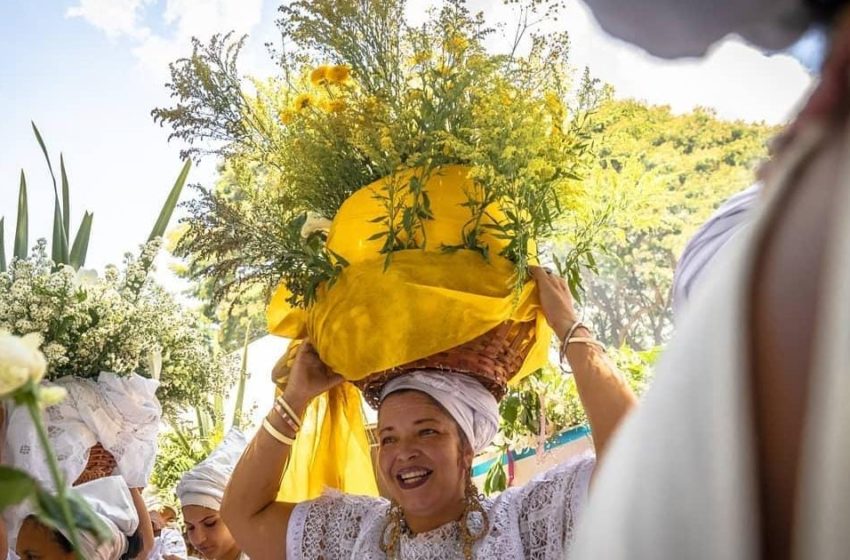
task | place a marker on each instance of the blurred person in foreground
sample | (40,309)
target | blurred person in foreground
(741,449)
(119,512)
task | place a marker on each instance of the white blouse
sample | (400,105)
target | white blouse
(535,521)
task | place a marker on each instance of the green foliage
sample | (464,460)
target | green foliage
(496,479)
(15,486)
(362,96)
(63,252)
(547,403)
(662,175)
(180,448)
(187,443)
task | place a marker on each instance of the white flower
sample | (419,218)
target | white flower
(20,361)
(48,396)
(87,276)
(314,223)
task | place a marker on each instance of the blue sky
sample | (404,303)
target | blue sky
(88,72)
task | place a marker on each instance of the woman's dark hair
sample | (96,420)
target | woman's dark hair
(825,11)
(60,539)
(134,546)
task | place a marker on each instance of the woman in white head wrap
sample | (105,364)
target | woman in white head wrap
(110,499)
(430,426)
(200,492)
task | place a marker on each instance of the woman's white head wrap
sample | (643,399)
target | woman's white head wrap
(726,222)
(204,485)
(110,499)
(467,401)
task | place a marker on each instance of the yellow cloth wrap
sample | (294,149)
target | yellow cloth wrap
(331,449)
(374,319)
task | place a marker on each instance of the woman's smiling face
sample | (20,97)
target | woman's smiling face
(422,457)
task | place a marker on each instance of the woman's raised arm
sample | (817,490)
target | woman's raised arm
(604,393)
(254,518)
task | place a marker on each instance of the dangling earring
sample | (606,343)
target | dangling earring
(391,536)
(473,506)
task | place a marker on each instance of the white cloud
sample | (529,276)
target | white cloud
(114,17)
(181,20)
(194,18)
(735,79)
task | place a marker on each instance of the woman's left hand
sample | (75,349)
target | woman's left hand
(556,300)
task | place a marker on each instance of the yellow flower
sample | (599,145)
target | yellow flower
(303,101)
(421,57)
(457,44)
(541,168)
(508,153)
(287,116)
(334,105)
(319,76)
(553,102)
(338,74)
(371,104)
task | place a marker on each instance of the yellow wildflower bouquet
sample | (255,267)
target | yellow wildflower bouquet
(363,96)
(396,182)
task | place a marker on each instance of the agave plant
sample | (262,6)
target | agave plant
(61,252)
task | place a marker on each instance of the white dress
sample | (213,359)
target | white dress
(534,521)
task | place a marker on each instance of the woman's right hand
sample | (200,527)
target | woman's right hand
(308,376)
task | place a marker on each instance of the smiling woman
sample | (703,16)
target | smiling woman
(430,425)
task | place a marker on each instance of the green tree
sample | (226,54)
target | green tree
(662,175)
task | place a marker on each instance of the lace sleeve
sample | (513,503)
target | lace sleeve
(328,527)
(549,505)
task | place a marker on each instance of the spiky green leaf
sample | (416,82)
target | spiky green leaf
(15,486)
(59,251)
(170,203)
(22,227)
(81,242)
(46,157)
(66,198)
(2,246)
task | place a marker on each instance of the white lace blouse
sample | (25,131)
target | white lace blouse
(535,522)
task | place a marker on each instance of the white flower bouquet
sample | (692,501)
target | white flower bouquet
(120,322)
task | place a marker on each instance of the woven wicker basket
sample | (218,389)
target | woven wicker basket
(493,358)
(101,464)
